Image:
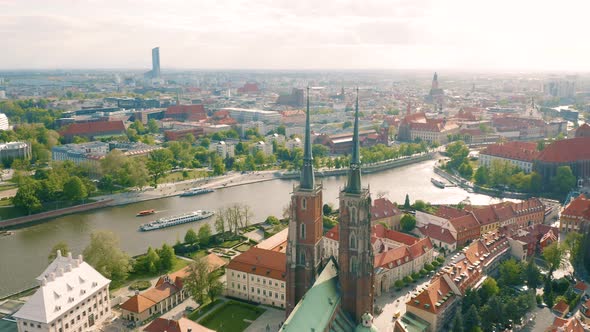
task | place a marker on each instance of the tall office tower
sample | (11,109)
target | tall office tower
(156,62)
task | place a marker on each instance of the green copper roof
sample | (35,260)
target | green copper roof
(307,177)
(316,308)
(354,174)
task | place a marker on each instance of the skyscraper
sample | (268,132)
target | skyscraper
(156,62)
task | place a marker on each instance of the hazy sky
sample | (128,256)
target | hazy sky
(297,34)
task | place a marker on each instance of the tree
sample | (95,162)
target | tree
(407,202)
(220,222)
(196,282)
(159,162)
(62,247)
(471,319)
(152,261)
(457,322)
(204,234)
(510,273)
(532,274)
(153,126)
(74,189)
(107,183)
(103,253)
(573,243)
(167,257)
(488,289)
(327,209)
(272,220)
(26,196)
(205,142)
(420,205)
(214,287)
(563,181)
(191,237)
(554,256)
(408,222)
(346,124)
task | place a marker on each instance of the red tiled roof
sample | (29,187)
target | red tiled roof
(583,130)
(531,203)
(464,222)
(437,232)
(161,292)
(262,262)
(524,151)
(396,256)
(448,212)
(561,307)
(192,112)
(565,325)
(420,248)
(580,285)
(434,292)
(377,231)
(182,325)
(96,127)
(137,304)
(579,207)
(566,150)
(485,215)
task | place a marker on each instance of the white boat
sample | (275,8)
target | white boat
(437,183)
(176,220)
(196,191)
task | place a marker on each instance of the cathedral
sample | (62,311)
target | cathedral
(321,294)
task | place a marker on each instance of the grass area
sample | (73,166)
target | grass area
(230,317)
(179,176)
(198,254)
(8,186)
(230,243)
(243,247)
(5,202)
(203,309)
(178,264)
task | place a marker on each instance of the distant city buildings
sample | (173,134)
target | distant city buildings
(519,154)
(72,297)
(575,215)
(4,125)
(295,99)
(243,115)
(14,150)
(93,152)
(94,130)
(155,72)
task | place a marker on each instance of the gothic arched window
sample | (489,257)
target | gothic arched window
(352,241)
(352,215)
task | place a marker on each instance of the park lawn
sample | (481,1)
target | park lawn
(178,264)
(243,247)
(230,243)
(230,317)
(198,254)
(177,176)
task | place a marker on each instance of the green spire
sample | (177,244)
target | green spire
(307,177)
(354,174)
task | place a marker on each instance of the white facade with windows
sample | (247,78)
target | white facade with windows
(72,297)
(487,160)
(255,288)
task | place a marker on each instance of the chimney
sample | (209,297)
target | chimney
(60,272)
(70,255)
(58,253)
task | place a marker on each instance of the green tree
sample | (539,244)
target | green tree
(205,142)
(346,124)
(272,220)
(153,126)
(554,256)
(573,243)
(214,287)
(62,247)
(457,322)
(408,222)
(471,319)
(510,273)
(152,261)
(26,197)
(191,237)
(159,162)
(204,234)
(103,253)
(74,189)
(107,183)
(167,257)
(327,209)
(532,274)
(196,282)
(407,202)
(563,181)
(488,289)
(420,205)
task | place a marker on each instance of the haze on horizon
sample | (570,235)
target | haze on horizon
(304,34)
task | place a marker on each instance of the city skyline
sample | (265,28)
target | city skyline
(425,35)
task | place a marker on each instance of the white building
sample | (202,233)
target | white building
(300,131)
(72,296)
(2,94)
(15,150)
(222,148)
(243,115)
(258,275)
(264,147)
(4,125)
(294,143)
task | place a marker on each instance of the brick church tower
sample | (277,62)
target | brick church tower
(355,255)
(305,228)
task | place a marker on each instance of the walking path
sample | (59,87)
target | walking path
(271,318)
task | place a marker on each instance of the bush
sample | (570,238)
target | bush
(399,284)
(440,259)
(408,279)
(423,272)
(428,267)
(539,299)
(415,275)
(435,264)
(140,285)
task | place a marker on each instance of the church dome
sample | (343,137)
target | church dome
(366,324)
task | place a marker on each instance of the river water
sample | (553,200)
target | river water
(24,255)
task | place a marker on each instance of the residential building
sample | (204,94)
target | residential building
(4,125)
(561,308)
(266,148)
(94,130)
(294,143)
(176,134)
(14,150)
(182,325)
(222,148)
(519,154)
(582,131)
(72,296)
(467,227)
(572,324)
(257,275)
(295,99)
(90,152)
(386,212)
(437,303)
(440,237)
(576,215)
(249,88)
(243,115)
(186,112)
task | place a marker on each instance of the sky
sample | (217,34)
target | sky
(538,35)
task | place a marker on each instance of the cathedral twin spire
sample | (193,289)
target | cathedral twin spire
(307,181)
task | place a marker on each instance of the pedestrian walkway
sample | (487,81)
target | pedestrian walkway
(270,320)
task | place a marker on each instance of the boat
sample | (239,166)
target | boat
(6,233)
(437,183)
(146,212)
(176,220)
(196,191)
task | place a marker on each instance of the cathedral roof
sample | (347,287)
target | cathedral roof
(320,308)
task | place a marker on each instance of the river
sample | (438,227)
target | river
(24,255)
